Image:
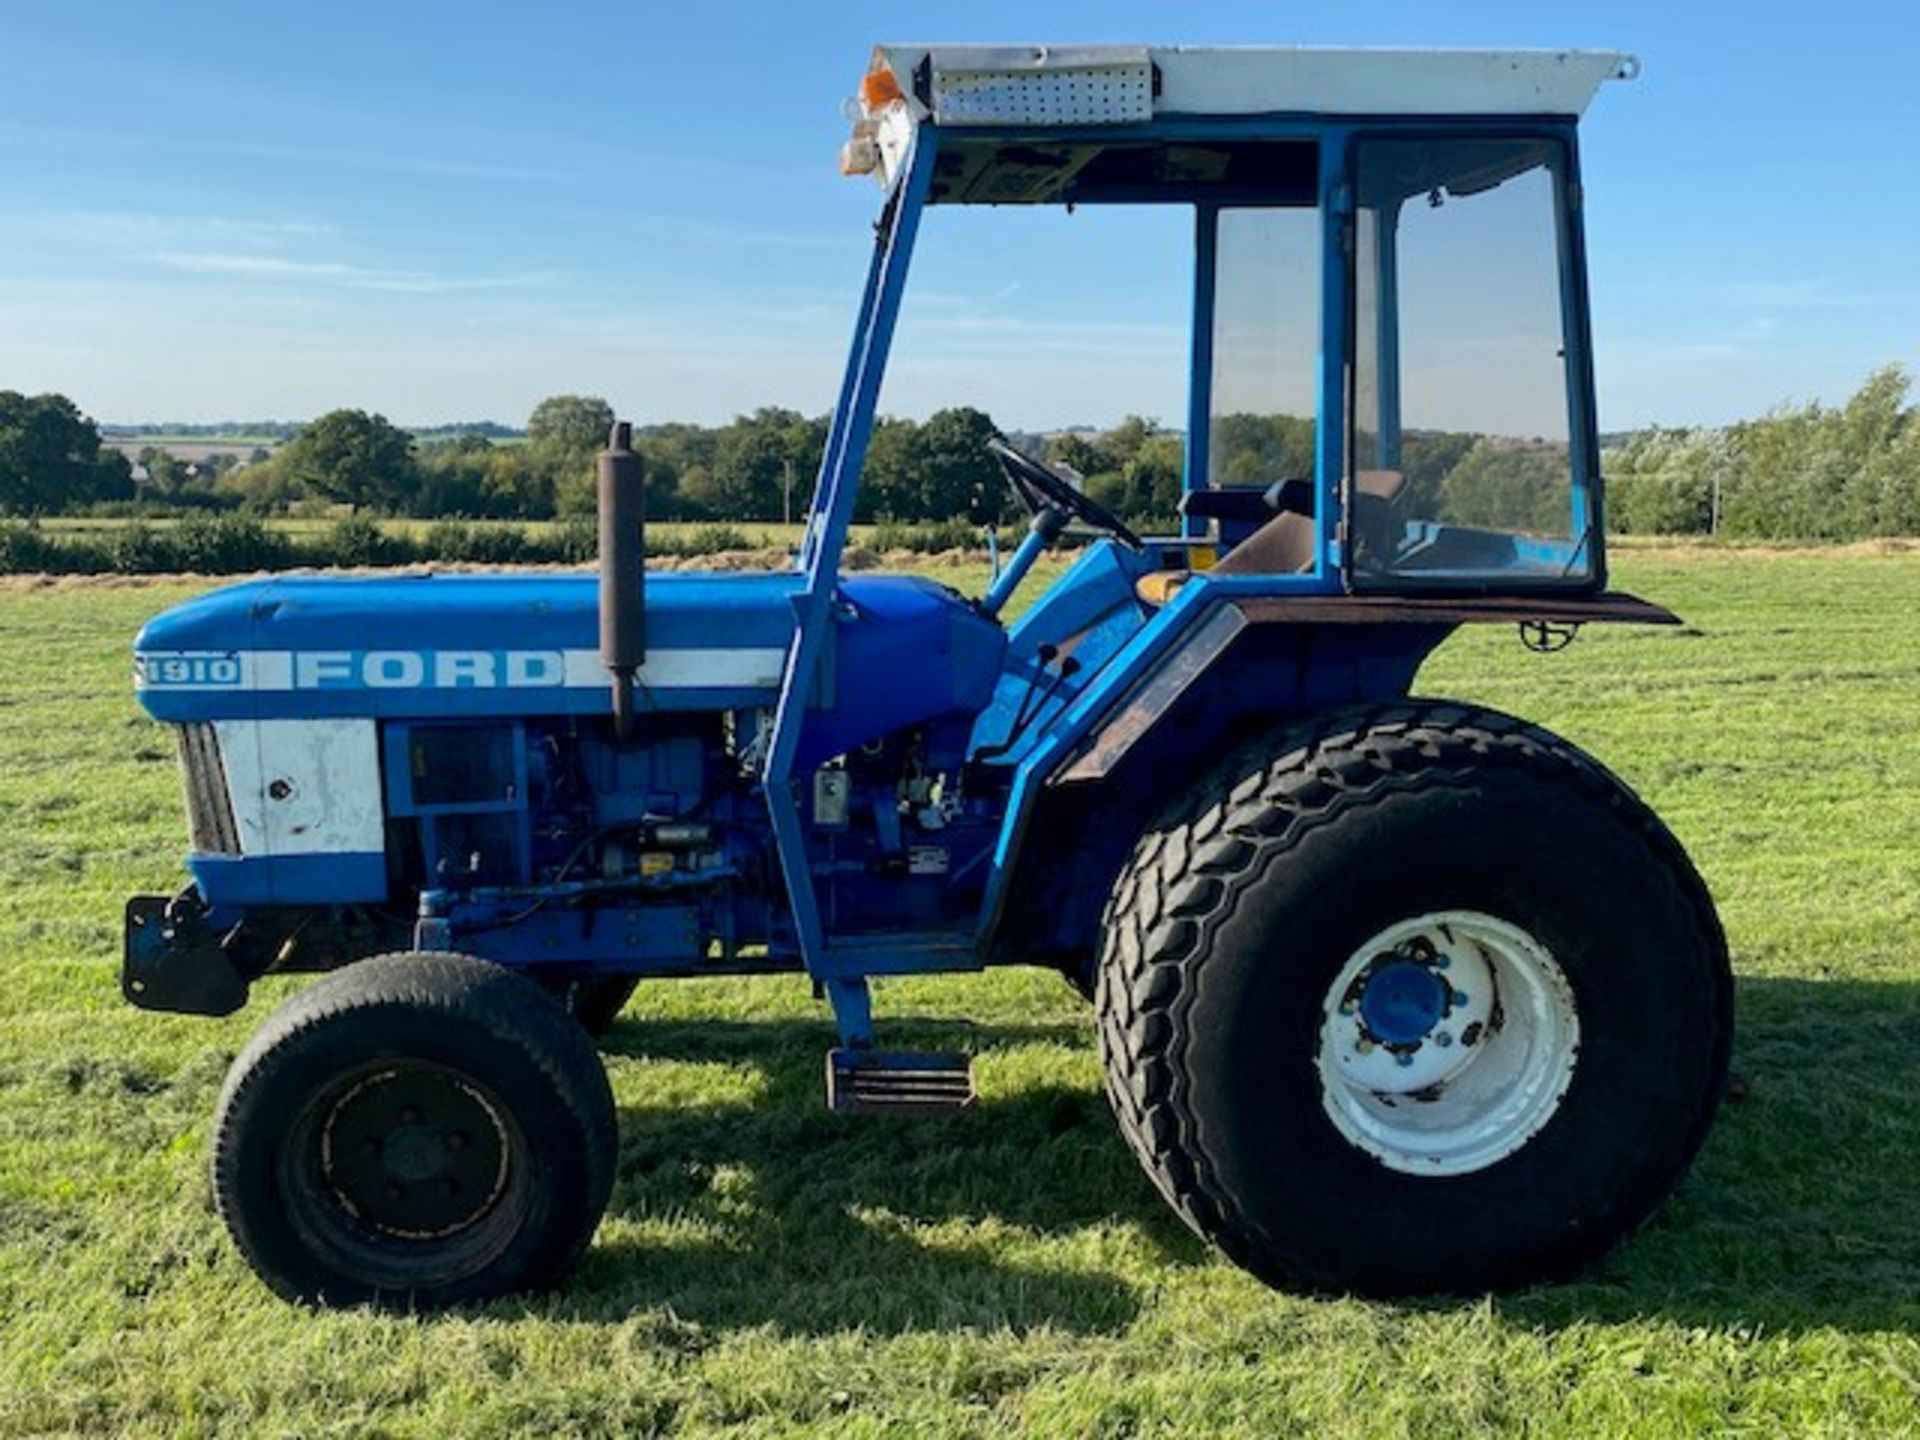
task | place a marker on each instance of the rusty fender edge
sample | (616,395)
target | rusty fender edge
(1157,691)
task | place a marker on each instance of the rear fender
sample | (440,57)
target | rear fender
(1233,665)
(1229,677)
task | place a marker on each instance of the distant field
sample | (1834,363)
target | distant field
(764,535)
(170,442)
(191,448)
(769,1268)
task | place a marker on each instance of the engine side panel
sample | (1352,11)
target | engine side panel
(303,797)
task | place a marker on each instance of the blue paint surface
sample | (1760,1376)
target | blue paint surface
(327,879)
(1402,1001)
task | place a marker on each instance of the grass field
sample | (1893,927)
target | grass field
(768,1267)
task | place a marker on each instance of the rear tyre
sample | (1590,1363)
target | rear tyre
(414,1131)
(1412,999)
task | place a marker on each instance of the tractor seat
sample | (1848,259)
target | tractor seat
(1284,544)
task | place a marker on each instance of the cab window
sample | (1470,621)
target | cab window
(1462,463)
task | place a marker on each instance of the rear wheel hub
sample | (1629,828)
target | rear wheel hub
(1400,1002)
(1446,1043)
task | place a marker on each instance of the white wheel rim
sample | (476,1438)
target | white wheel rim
(1447,1042)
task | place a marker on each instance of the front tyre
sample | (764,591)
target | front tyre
(414,1131)
(1413,999)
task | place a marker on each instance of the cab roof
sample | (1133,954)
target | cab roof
(1108,84)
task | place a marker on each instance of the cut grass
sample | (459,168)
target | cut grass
(768,1267)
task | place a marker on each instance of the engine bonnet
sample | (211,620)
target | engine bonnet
(902,649)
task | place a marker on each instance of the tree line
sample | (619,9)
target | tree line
(1804,472)
(1800,472)
(758,467)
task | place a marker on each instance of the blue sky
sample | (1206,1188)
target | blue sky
(448,211)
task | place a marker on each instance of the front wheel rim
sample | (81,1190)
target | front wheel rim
(406,1175)
(1446,1043)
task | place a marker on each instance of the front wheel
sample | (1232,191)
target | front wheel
(1411,1000)
(414,1131)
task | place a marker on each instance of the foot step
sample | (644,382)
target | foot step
(868,1082)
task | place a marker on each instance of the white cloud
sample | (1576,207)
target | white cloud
(240,266)
(271,248)
(1808,294)
(752,237)
(141,227)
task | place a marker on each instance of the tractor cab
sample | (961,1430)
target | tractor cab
(1389,425)
(1390,385)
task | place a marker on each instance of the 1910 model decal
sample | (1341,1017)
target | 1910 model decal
(187,670)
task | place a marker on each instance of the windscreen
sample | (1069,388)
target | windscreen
(1463,467)
(1066,331)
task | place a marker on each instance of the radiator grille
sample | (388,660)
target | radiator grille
(210,827)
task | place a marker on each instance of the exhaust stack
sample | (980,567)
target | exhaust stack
(623,570)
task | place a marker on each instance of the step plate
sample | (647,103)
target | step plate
(878,1082)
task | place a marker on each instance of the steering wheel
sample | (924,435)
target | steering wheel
(1040,487)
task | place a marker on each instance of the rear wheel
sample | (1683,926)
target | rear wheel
(1413,999)
(415,1131)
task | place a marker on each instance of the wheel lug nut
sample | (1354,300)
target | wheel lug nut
(1459,997)
(409,1116)
(456,1140)
(370,1146)
(1442,1039)
(393,1192)
(1404,1058)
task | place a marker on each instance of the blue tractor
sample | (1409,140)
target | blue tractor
(1393,995)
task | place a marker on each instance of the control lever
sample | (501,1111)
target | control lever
(1069,667)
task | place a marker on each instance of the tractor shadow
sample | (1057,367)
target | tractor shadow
(773,1212)
(1803,1211)
(1802,1214)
